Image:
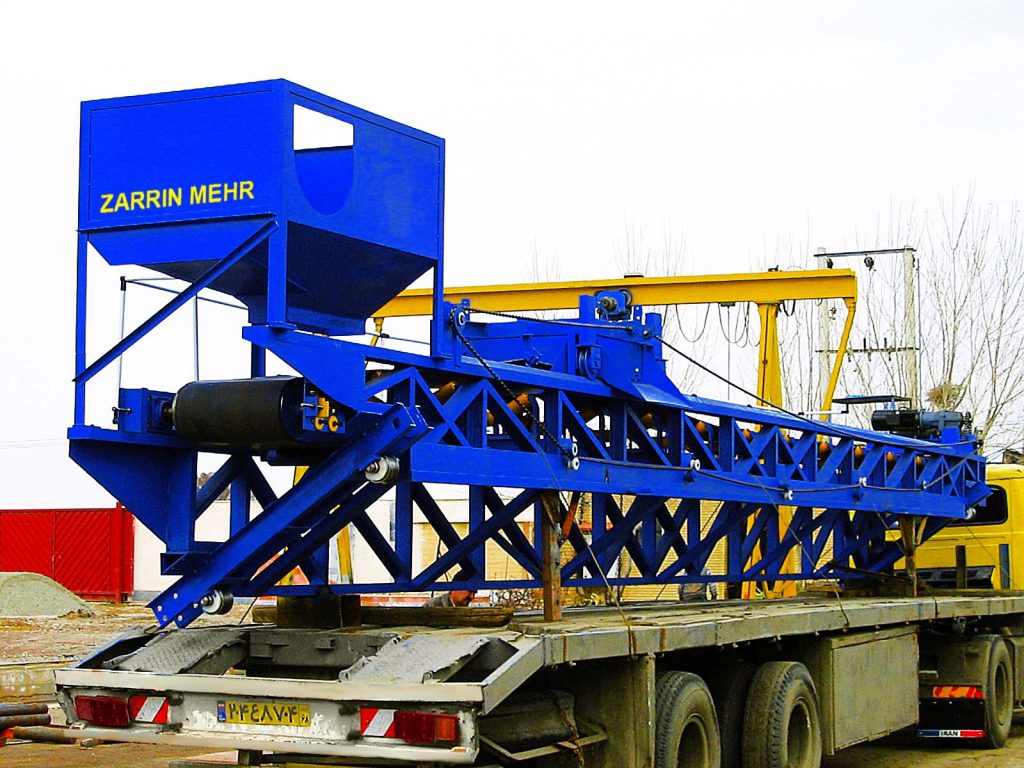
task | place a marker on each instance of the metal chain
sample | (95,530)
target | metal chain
(507,390)
(554,477)
(577,750)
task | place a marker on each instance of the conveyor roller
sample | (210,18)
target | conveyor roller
(258,414)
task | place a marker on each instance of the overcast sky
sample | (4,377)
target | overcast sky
(752,129)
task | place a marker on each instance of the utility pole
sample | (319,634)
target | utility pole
(826,314)
(911,344)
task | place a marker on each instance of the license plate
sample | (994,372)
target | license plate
(263,713)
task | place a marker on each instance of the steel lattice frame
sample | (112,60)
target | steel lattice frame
(752,460)
(524,415)
(647,466)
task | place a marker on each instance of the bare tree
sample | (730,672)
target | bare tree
(542,270)
(977,295)
(685,327)
(972,294)
(971,283)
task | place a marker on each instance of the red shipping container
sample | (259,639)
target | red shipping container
(89,551)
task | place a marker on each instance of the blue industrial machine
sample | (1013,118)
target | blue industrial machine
(208,187)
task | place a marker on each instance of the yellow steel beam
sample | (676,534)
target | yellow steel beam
(756,287)
(769,363)
(844,340)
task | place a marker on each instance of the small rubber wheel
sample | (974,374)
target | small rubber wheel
(729,687)
(998,696)
(782,721)
(685,726)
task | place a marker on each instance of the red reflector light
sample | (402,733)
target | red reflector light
(446,728)
(957,692)
(108,711)
(426,727)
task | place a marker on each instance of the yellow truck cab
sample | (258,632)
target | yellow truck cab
(993,538)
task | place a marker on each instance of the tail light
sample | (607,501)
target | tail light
(108,711)
(957,692)
(410,727)
(426,727)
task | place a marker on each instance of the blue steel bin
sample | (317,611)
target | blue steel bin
(176,181)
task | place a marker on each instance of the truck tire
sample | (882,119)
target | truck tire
(782,721)
(729,689)
(685,726)
(998,696)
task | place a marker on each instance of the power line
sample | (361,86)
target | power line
(30,444)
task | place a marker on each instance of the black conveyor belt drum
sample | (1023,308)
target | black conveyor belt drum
(258,414)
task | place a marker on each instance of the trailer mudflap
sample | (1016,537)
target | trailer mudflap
(952,718)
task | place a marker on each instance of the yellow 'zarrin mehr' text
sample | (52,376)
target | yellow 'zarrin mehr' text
(220,192)
(171,197)
(140,199)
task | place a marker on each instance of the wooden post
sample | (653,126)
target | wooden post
(909,535)
(551,572)
(961,566)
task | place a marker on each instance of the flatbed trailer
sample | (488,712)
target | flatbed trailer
(587,685)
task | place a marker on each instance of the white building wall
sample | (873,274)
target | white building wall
(214,526)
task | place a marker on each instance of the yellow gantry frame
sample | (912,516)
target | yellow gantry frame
(768,290)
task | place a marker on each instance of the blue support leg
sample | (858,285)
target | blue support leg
(259,540)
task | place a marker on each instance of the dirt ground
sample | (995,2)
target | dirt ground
(906,751)
(69,637)
(24,755)
(896,752)
(72,637)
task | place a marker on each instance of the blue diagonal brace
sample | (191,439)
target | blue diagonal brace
(473,540)
(518,546)
(439,522)
(258,485)
(725,521)
(269,533)
(217,484)
(212,275)
(327,526)
(621,534)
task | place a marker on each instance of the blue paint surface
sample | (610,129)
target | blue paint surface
(506,412)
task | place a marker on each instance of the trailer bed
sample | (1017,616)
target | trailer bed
(595,633)
(347,686)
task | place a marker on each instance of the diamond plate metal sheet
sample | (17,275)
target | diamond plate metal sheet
(176,652)
(417,659)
